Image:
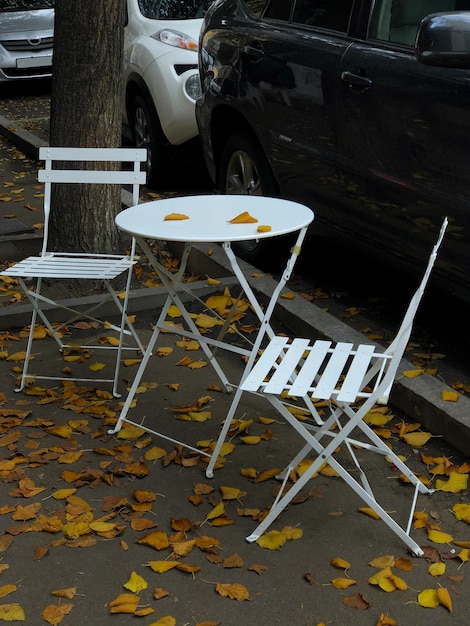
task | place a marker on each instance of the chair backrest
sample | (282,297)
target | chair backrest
(56,171)
(398,346)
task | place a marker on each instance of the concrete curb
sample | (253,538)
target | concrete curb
(419,398)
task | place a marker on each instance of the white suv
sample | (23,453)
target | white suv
(161,79)
(26,37)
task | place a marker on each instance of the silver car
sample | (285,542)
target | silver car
(26,39)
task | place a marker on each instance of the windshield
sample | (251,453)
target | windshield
(173,9)
(25,5)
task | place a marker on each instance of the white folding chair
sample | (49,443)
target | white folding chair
(352,380)
(83,266)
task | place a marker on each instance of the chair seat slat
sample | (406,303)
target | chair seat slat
(305,377)
(264,364)
(332,372)
(285,370)
(353,381)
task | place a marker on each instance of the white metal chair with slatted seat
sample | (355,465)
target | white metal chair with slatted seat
(352,380)
(69,266)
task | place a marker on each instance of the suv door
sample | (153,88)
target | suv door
(288,67)
(403,137)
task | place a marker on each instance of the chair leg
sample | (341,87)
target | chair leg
(325,455)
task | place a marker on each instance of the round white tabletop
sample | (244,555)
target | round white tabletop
(209,218)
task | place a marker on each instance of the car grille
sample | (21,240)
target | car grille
(25,45)
(28,72)
(181,69)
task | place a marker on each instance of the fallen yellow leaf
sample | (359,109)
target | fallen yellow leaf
(437,536)
(135,583)
(340,563)
(457,482)
(343,583)
(437,569)
(450,396)
(273,540)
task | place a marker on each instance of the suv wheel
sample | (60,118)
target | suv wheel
(146,133)
(245,170)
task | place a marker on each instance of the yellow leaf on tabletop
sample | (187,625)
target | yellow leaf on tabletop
(264,228)
(243,218)
(175,216)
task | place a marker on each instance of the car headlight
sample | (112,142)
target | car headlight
(193,86)
(176,39)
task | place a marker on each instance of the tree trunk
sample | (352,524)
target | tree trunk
(86,112)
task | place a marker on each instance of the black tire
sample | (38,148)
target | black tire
(245,170)
(146,133)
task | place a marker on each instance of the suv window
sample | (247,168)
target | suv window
(174,9)
(278,10)
(331,14)
(398,20)
(25,5)
(256,6)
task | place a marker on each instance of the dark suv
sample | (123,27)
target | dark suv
(358,108)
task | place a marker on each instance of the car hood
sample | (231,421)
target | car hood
(188,27)
(14,23)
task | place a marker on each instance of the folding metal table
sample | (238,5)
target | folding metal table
(207,218)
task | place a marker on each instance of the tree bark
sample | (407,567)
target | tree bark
(86,112)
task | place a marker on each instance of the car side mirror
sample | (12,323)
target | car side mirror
(443,40)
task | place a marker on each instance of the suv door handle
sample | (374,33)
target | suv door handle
(356,81)
(256,53)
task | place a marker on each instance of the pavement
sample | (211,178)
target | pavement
(86,516)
